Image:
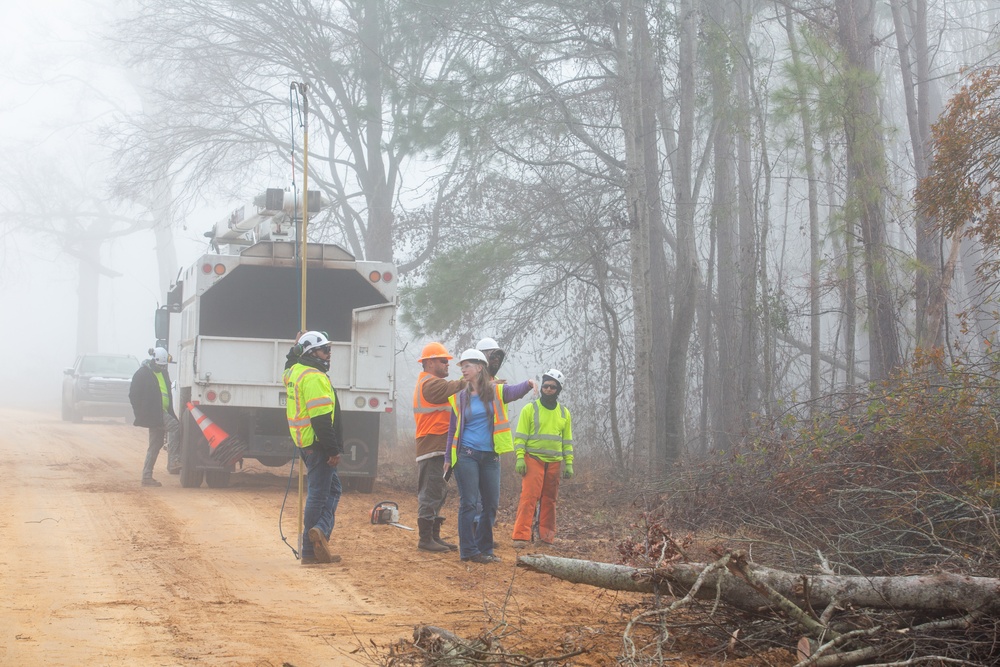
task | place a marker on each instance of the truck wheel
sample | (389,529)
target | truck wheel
(217,479)
(69,414)
(191,472)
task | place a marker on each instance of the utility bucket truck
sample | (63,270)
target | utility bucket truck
(231,318)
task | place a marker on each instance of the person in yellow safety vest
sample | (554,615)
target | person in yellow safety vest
(478,433)
(313,413)
(431,413)
(153,406)
(543,443)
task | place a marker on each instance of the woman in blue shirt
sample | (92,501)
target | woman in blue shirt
(479,431)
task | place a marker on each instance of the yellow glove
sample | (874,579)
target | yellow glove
(567,470)
(521,467)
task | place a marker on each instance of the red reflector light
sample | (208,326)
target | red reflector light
(210,395)
(387,276)
(374,276)
(388,409)
(206,268)
(220,269)
(373,402)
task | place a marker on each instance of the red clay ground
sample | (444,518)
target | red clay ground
(100,571)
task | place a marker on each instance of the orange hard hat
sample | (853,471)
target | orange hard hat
(434,351)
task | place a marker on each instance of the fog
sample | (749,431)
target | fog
(56,89)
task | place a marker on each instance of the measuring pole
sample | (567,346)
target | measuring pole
(303,247)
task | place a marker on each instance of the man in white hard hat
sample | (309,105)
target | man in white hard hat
(493,353)
(153,406)
(313,413)
(543,445)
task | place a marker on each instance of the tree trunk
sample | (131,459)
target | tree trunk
(88,254)
(643,386)
(867,174)
(805,117)
(686,276)
(727,411)
(377,189)
(941,592)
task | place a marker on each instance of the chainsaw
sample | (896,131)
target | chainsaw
(387,512)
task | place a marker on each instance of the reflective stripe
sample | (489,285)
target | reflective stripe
(442,408)
(319,402)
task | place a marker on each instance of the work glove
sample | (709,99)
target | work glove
(567,471)
(521,468)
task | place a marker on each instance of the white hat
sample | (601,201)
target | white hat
(487,344)
(473,355)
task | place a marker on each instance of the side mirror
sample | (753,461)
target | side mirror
(161,323)
(68,371)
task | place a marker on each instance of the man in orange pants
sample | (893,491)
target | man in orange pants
(543,444)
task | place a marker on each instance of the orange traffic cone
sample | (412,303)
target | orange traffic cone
(213,432)
(225,448)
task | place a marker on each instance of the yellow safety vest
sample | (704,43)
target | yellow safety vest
(310,394)
(545,434)
(164,390)
(503,442)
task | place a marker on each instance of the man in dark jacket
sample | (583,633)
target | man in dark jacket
(153,405)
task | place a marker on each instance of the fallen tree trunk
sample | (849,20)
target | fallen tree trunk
(931,593)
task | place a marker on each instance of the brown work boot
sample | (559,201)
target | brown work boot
(436,534)
(322,547)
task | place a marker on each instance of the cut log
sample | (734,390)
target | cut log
(931,593)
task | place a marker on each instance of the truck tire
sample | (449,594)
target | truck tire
(217,479)
(191,440)
(69,414)
(67,411)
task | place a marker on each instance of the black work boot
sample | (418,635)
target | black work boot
(427,543)
(436,534)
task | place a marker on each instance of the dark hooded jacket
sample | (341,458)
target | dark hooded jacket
(146,399)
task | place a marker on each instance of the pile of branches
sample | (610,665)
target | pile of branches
(895,480)
(436,647)
(898,478)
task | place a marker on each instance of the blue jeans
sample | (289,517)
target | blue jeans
(477,476)
(322,497)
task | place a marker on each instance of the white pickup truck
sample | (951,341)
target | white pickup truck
(231,318)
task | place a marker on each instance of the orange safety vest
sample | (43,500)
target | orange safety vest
(431,418)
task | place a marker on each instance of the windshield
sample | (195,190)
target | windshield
(111,366)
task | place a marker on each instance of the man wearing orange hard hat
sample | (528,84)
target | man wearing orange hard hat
(431,412)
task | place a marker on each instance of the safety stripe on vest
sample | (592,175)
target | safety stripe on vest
(441,408)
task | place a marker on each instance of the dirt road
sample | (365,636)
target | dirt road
(96,570)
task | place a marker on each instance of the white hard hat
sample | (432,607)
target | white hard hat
(311,340)
(555,375)
(487,344)
(473,355)
(160,356)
